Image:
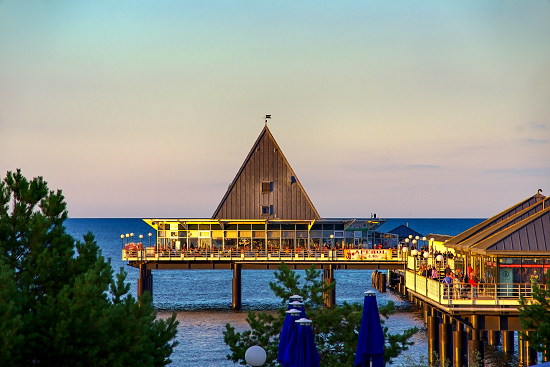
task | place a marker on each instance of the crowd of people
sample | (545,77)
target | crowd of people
(457,284)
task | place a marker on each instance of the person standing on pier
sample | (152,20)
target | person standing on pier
(473,284)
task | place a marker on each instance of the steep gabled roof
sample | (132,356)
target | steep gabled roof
(496,219)
(266,187)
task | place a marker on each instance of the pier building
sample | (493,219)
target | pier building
(505,255)
(264,218)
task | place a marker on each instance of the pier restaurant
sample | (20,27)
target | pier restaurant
(506,253)
(265,210)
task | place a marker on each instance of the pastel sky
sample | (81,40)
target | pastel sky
(400,108)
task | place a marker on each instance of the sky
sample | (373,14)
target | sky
(400,108)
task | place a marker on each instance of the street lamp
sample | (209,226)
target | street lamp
(149,234)
(140,238)
(255,356)
(122,240)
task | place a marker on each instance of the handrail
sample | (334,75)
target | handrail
(460,294)
(150,253)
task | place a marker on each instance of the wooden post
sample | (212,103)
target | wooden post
(458,345)
(508,342)
(382,282)
(445,346)
(493,337)
(328,278)
(530,353)
(521,350)
(475,345)
(145,280)
(433,341)
(236,302)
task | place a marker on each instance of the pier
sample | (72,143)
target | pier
(266,218)
(147,259)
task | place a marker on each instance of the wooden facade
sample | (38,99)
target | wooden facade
(266,187)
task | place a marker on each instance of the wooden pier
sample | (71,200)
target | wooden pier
(147,260)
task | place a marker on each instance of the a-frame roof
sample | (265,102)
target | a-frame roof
(266,187)
(456,240)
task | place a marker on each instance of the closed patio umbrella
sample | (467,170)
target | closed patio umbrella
(286,333)
(370,344)
(302,351)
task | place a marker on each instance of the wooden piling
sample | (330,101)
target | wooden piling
(508,342)
(475,345)
(493,337)
(445,342)
(458,344)
(236,301)
(330,295)
(145,280)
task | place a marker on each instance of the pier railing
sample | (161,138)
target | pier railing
(463,294)
(150,253)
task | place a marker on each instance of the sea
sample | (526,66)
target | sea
(201,299)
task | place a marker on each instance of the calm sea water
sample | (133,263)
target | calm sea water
(202,298)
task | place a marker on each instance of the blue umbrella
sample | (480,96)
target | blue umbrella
(299,306)
(286,333)
(370,344)
(301,351)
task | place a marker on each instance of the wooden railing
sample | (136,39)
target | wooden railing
(462,294)
(150,253)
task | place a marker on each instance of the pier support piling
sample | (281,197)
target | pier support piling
(475,344)
(330,295)
(145,280)
(493,337)
(433,339)
(236,302)
(445,346)
(458,345)
(508,342)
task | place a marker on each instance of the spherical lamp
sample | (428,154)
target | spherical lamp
(255,356)
(414,252)
(426,254)
(439,257)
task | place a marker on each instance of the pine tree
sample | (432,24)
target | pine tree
(59,302)
(535,316)
(336,329)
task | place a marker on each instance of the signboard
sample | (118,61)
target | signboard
(366,254)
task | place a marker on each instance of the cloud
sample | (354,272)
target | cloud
(535,141)
(522,171)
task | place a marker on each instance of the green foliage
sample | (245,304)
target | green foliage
(59,303)
(336,329)
(535,317)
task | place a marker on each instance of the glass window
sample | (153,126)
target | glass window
(301,227)
(288,227)
(273,234)
(273,226)
(267,186)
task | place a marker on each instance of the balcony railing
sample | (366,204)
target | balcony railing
(463,294)
(150,253)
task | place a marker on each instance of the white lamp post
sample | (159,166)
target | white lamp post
(122,240)
(255,356)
